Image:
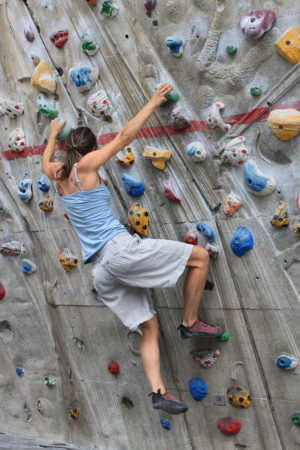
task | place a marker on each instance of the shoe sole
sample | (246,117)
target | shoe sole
(200,334)
(170,410)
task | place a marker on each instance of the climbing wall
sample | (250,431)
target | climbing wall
(51,322)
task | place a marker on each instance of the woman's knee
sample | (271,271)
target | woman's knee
(199,257)
(149,325)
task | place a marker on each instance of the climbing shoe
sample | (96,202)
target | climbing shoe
(200,328)
(167,403)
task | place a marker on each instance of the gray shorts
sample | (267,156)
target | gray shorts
(127,265)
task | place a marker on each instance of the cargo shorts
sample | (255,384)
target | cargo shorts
(127,265)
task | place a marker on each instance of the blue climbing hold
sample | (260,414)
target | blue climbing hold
(43,183)
(256,181)
(25,190)
(241,241)
(133,187)
(198,388)
(165,423)
(19,371)
(206,230)
(175,45)
(286,361)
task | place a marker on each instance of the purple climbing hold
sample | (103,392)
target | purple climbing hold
(28,33)
(149,5)
(256,23)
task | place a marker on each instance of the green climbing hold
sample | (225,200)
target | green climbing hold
(224,336)
(171,97)
(109,8)
(88,45)
(296,418)
(64,133)
(255,91)
(1,207)
(231,50)
(46,105)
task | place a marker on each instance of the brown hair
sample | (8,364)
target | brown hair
(79,142)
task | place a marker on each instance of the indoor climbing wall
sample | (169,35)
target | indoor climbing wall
(218,164)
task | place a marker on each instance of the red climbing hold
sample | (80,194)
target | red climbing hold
(113,367)
(191,237)
(169,192)
(2,291)
(66,216)
(229,425)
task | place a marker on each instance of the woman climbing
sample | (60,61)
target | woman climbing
(123,266)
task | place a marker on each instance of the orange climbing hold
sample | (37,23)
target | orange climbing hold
(138,218)
(68,261)
(288,45)
(284,123)
(73,412)
(42,78)
(281,218)
(231,205)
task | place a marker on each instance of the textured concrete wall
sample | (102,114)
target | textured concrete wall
(51,322)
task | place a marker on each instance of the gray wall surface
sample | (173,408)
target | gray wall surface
(51,321)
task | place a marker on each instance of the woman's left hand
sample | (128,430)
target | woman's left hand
(56,127)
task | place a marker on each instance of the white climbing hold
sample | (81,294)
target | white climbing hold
(215,120)
(235,152)
(16,140)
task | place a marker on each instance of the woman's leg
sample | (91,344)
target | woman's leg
(150,354)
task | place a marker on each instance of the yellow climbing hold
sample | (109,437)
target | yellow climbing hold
(42,78)
(281,218)
(284,123)
(68,262)
(125,157)
(138,218)
(47,204)
(288,46)
(296,226)
(158,157)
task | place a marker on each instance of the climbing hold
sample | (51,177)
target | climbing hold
(225,336)
(64,133)
(149,5)
(2,291)
(46,204)
(125,157)
(229,425)
(231,204)
(12,248)
(281,218)
(284,123)
(206,230)
(196,151)
(296,418)
(215,120)
(158,157)
(11,108)
(298,201)
(98,104)
(178,119)
(138,218)
(235,152)
(205,357)
(286,361)
(59,38)
(126,402)
(68,260)
(175,45)
(35,59)
(84,77)
(28,33)
(256,181)
(198,388)
(288,45)
(171,97)
(109,8)
(255,91)
(73,412)
(88,45)
(296,227)
(42,78)
(113,367)
(43,183)
(50,380)
(66,216)
(238,397)
(19,371)
(46,105)
(256,23)
(165,423)
(133,187)
(213,250)
(241,241)
(231,49)
(169,192)
(25,190)
(92,2)
(28,266)
(191,237)
(16,140)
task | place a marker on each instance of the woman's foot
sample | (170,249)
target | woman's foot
(200,328)
(167,403)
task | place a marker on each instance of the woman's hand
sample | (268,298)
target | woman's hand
(56,127)
(159,95)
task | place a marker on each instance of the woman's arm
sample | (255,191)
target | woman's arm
(48,166)
(128,133)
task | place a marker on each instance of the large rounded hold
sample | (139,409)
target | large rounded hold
(198,388)
(256,181)
(241,241)
(256,23)
(229,425)
(238,397)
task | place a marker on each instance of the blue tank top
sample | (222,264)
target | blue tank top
(90,216)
